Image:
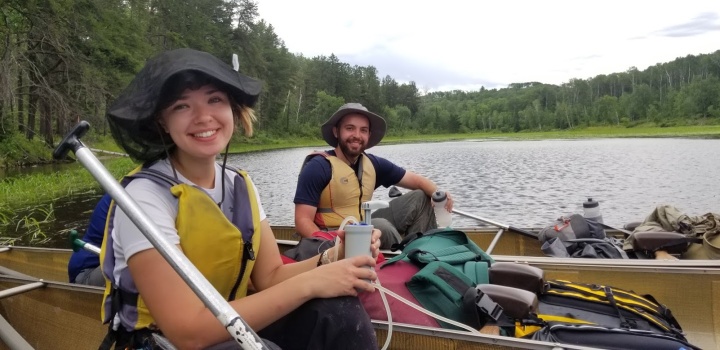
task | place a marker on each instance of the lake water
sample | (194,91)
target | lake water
(517,183)
(530,183)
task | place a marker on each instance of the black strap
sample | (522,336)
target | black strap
(405,241)
(109,340)
(624,323)
(359,175)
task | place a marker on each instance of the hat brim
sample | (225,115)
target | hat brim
(377,126)
(131,115)
(139,100)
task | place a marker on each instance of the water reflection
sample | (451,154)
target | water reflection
(518,183)
(8,173)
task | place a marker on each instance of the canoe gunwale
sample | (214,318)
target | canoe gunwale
(672,266)
(475,338)
(399,329)
(50,284)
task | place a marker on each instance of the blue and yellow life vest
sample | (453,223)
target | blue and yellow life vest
(345,192)
(226,259)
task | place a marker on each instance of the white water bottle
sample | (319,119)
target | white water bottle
(443,217)
(591,210)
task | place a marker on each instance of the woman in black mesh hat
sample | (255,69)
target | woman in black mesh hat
(176,116)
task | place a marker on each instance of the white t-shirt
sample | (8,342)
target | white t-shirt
(161,207)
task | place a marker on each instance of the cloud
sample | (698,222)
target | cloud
(465,44)
(705,22)
(427,75)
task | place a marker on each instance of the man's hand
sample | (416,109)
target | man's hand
(663,255)
(449,203)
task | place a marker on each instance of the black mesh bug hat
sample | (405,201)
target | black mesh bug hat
(132,116)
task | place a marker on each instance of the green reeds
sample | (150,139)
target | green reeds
(30,225)
(27,227)
(25,191)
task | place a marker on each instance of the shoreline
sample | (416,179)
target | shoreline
(257,143)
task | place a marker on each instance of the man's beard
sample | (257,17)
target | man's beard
(348,152)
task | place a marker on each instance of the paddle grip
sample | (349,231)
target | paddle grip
(71,141)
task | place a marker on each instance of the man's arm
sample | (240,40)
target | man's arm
(314,176)
(414,181)
(305,220)
(417,182)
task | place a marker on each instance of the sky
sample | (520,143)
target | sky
(445,45)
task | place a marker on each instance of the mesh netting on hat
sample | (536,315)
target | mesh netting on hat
(132,115)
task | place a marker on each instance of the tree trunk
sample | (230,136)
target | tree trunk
(21,102)
(298,110)
(32,109)
(46,122)
(2,120)
(59,126)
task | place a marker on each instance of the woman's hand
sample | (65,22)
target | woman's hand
(344,277)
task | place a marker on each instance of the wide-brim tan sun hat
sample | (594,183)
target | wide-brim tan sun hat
(132,115)
(377,124)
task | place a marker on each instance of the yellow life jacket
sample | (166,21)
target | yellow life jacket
(345,192)
(221,249)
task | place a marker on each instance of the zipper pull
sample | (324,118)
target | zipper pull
(249,251)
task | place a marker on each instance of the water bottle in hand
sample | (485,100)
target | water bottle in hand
(443,217)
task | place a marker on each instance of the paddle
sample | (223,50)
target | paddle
(497,224)
(395,192)
(623,231)
(77,244)
(233,323)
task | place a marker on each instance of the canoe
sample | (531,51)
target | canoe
(56,315)
(53,315)
(696,308)
(51,263)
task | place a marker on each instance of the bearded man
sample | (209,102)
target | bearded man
(333,184)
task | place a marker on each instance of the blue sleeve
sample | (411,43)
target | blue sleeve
(314,177)
(387,172)
(96,228)
(94,234)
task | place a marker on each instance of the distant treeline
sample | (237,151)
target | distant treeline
(65,60)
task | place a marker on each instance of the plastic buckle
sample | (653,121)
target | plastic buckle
(488,306)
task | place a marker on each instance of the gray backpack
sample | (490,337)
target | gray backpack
(571,227)
(575,236)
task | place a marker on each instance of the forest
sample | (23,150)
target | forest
(62,61)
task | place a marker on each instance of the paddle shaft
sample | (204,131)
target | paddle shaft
(230,319)
(395,192)
(497,224)
(11,337)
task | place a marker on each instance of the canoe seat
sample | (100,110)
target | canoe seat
(671,242)
(522,276)
(630,226)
